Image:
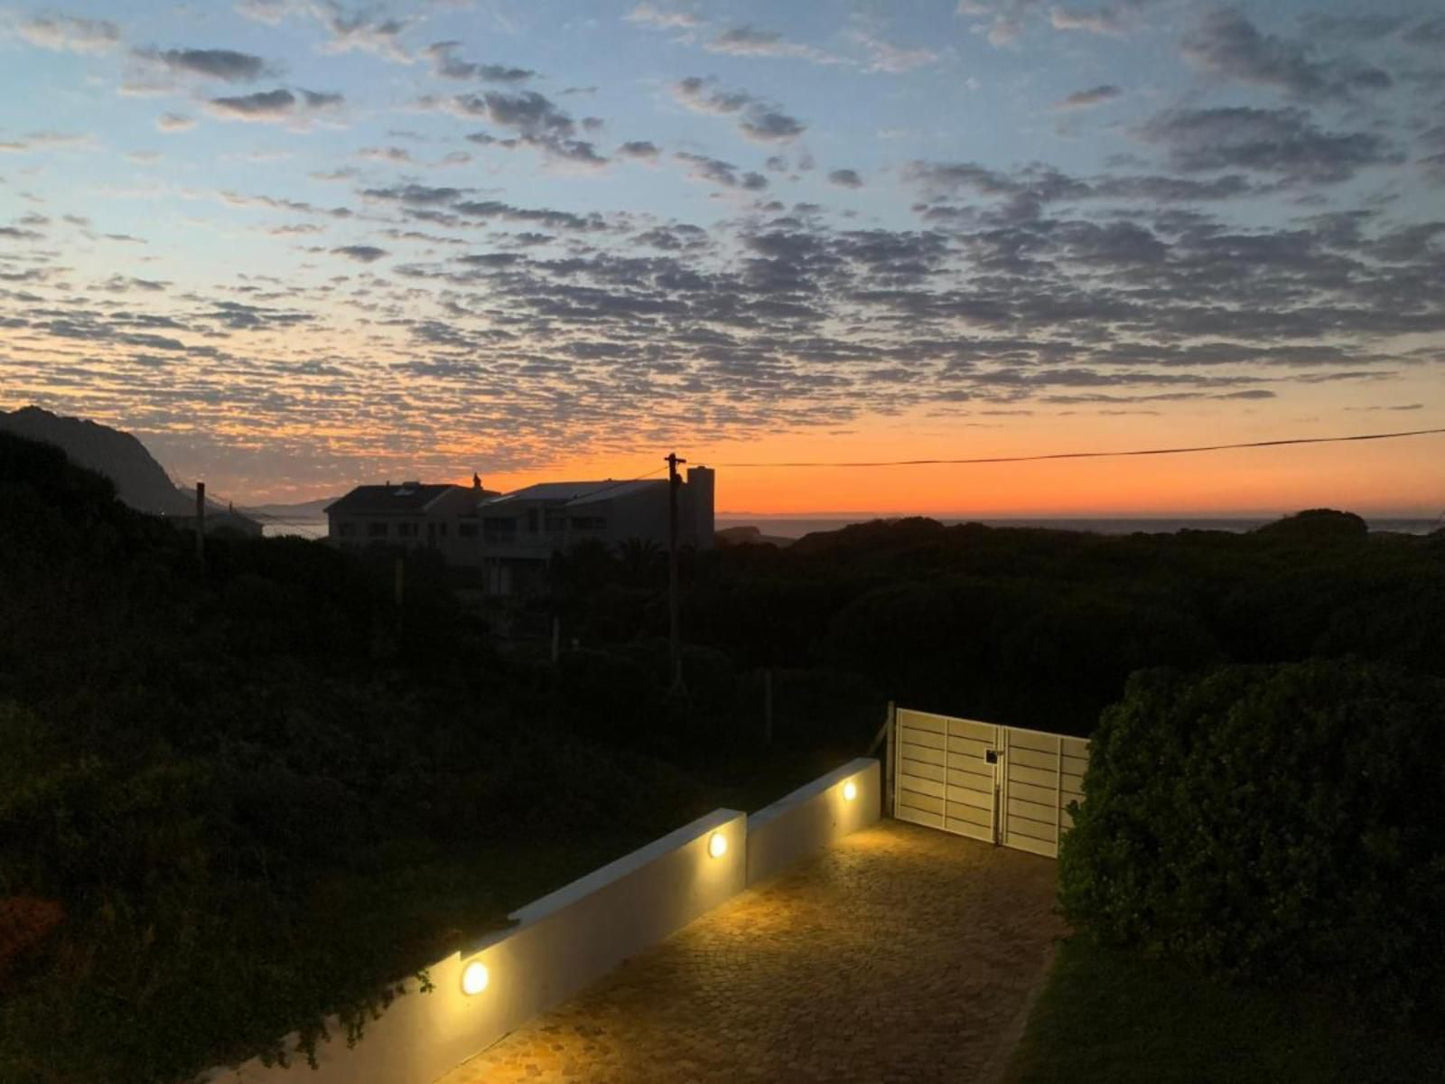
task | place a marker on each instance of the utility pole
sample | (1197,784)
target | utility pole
(201,523)
(673,481)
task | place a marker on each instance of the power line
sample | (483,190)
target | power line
(1095,455)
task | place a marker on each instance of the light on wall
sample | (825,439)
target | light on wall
(475,977)
(717,845)
(850,791)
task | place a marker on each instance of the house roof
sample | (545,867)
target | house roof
(405,498)
(575,493)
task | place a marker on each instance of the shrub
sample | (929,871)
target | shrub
(1271,822)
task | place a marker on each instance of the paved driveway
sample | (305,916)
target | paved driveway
(902,954)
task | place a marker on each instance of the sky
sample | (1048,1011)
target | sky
(297,245)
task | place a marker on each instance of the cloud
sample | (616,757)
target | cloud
(758,120)
(749,41)
(36,141)
(1084,99)
(65,33)
(1228,44)
(175,122)
(1005,18)
(537,121)
(448,65)
(646,14)
(639,148)
(770,126)
(716,171)
(270,12)
(361,253)
(360,32)
(224,64)
(884,56)
(271,106)
(385,154)
(845,178)
(1284,142)
(416,195)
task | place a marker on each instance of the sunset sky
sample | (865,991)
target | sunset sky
(295,245)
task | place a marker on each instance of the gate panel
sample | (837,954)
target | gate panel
(944,778)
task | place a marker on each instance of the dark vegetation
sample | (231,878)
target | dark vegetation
(1280,824)
(1111,1016)
(234,799)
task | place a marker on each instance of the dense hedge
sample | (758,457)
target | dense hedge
(1276,822)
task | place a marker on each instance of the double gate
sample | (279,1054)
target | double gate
(1000,784)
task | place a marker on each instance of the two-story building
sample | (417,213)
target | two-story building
(513,535)
(409,514)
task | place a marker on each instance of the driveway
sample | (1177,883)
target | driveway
(901,954)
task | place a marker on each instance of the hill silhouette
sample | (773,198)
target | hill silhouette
(140,481)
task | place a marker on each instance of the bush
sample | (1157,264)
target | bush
(1275,823)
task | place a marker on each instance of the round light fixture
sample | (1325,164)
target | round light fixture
(717,845)
(474,977)
(850,791)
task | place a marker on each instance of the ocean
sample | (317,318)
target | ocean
(796,528)
(784,527)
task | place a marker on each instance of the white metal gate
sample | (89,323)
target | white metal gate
(1001,784)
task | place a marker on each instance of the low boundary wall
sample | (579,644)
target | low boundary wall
(813,817)
(568,939)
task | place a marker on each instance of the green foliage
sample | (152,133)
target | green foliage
(1274,822)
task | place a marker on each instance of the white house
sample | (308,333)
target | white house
(410,514)
(513,535)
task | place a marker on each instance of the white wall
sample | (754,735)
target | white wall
(813,817)
(561,943)
(572,937)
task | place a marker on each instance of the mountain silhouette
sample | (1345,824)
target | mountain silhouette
(140,481)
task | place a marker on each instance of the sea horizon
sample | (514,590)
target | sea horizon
(794,527)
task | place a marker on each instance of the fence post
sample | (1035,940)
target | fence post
(889,760)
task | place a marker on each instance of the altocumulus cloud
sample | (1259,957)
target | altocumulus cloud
(1285,142)
(1228,44)
(1084,99)
(759,120)
(271,105)
(360,253)
(224,64)
(65,33)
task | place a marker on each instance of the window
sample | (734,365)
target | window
(406,530)
(467,530)
(531,521)
(589,523)
(555,521)
(376,530)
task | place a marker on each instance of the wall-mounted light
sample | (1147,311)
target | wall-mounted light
(717,845)
(850,791)
(475,977)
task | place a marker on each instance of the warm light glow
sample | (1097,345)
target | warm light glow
(717,845)
(850,791)
(475,977)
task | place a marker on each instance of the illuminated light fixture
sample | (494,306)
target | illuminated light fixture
(475,977)
(717,845)
(850,791)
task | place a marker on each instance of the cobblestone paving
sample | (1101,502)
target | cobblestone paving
(902,954)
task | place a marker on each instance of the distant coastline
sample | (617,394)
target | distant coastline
(797,527)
